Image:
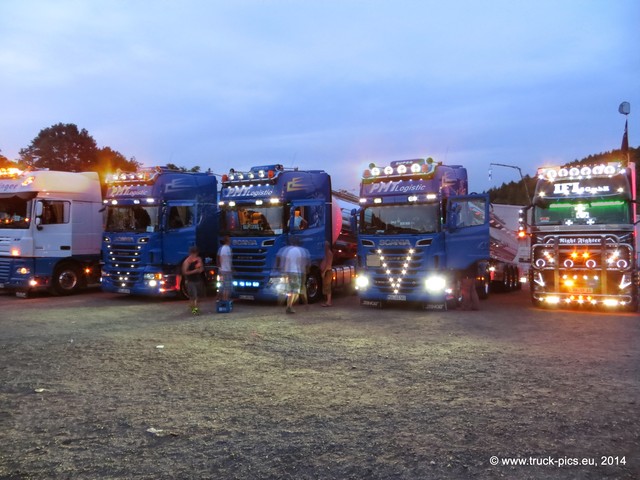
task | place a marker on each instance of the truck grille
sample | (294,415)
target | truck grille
(249,265)
(5,269)
(395,266)
(124,264)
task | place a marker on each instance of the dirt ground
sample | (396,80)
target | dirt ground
(112,387)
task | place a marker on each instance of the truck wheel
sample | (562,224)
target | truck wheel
(633,305)
(66,279)
(314,286)
(512,279)
(483,287)
(535,302)
(182,291)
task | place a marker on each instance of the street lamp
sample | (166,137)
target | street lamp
(526,188)
(624,109)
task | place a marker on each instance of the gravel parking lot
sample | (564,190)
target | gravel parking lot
(104,386)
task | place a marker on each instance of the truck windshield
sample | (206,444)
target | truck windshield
(132,218)
(582,212)
(414,218)
(14,212)
(252,220)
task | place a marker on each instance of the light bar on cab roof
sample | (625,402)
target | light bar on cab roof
(578,172)
(11,172)
(256,174)
(405,169)
(428,197)
(144,175)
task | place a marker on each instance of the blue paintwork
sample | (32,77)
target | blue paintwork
(449,252)
(254,257)
(161,251)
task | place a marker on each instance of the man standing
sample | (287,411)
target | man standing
(192,269)
(327,273)
(296,262)
(225,268)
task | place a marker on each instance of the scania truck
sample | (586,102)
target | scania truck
(583,240)
(154,215)
(262,208)
(421,233)
(50,231)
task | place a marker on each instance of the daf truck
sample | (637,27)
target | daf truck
(50,231)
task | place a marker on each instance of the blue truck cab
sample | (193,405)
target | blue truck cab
(419,234)
(154,216)
(261,209)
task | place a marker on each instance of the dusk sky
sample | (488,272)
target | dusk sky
(325,84)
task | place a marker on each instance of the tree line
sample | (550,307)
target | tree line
(515,193)
(65,147)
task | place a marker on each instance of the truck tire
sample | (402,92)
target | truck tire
(314,286)
(535,302)
(633,305)
(66,279)
(182,291)
(483,287)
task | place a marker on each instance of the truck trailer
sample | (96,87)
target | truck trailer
(262,208)
(50,231)
(154,215)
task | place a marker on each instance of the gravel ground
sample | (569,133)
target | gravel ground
(104,386)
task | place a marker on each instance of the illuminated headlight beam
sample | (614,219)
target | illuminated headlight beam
(435,283)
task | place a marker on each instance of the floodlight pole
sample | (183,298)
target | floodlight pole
(625,109)
(526,188)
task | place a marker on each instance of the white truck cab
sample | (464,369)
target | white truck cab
(50,230)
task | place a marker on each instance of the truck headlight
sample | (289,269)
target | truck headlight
(362,282)
(23,270)
(435,283)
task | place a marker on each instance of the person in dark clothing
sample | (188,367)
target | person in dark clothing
(192,269)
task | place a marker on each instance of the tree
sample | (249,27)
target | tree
(61,147)
(173,166)
(513,193)
(64,147)
(108,160)
(5,162)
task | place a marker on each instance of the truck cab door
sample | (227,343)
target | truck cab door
(311,229)
(467,234)
(54,224)
(179,231)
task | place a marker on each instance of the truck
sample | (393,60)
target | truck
(154,215)
(420,233)
(263,208)
(50,231)
(583,241)
(505,269)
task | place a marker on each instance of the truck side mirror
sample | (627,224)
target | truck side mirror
(540,202)
(454,215)
(353,220)
(39,210)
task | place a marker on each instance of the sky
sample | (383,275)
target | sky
(330,84)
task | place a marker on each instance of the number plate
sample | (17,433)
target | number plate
(245,297)
(581,290)
(124,290)
(397,297)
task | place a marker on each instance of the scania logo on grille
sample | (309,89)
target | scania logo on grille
(244,242)
(394,243)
